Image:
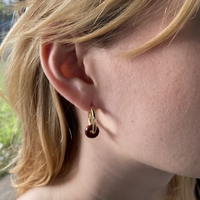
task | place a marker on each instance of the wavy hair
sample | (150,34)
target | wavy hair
(47,149)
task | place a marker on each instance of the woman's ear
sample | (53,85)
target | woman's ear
(66,72)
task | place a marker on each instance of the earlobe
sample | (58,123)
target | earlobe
(66,72)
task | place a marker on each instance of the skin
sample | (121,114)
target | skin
(148,112)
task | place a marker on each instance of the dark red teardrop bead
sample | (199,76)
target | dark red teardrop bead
(88,132)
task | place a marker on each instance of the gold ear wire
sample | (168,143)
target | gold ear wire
(92,130)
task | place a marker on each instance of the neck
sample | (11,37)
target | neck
(105,176)
(103,171)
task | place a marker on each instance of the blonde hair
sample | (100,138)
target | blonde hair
(47,150)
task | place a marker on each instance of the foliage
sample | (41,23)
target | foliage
(7,120)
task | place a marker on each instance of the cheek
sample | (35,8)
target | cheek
(165,133)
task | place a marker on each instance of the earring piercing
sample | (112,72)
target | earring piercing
(92,130)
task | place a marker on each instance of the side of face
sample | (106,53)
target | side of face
(152,102)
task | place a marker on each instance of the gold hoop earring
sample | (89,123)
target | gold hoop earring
(92,130)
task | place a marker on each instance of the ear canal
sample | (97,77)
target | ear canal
(71,67)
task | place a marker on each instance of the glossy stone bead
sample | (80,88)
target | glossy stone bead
(89,133)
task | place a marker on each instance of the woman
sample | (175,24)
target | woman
(130,68)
